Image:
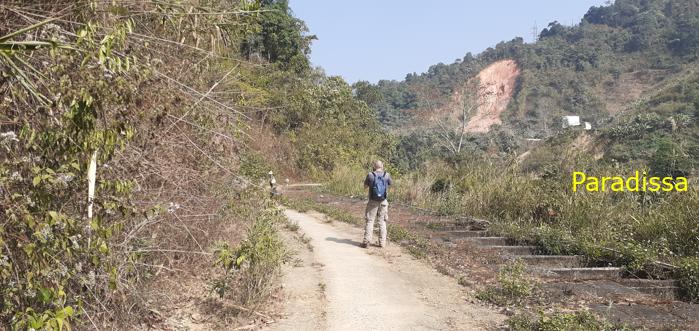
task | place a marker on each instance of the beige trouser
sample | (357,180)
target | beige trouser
(376,209)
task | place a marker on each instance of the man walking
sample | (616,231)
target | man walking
(273,189)
(377,182)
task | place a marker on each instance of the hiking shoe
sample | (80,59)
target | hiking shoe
(363,245)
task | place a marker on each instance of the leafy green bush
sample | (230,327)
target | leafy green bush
(513,285)
(299,205)
(253,166)
(637,257)
(560,321)
(513,281)
(521,322)
(577,321)
(440,185)
(555,241)
(669,160)
(448,203)
(397,233)
(688,277)
(255,263)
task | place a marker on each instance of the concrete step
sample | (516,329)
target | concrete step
(638,282)
(662,288)
(512,250)
(574,274)
(449,227)
(458,234)
(663,292)
(458,225)
(490,241)
(553,261)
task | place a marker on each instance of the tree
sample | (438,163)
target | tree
(669,160)
(453,133)
(280,38)
(685,37)
(368,93)
(554,29)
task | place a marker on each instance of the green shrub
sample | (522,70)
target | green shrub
(513,281)
(513,285)
(555,241)
(397,233)
(292,226)
(255,263)
(669,160)
(449,203)
(521,322)
(577,321)
(299,205)
(463,281)
(440,185)
(562,321)
(688,277)
(637,257)
(253,166)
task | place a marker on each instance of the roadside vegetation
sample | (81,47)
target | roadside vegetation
(252,268)
(513,286)
(631,229)
(184,106)
(569,321)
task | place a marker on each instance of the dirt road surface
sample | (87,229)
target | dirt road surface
(336,285)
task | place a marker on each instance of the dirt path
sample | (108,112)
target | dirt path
(371,289)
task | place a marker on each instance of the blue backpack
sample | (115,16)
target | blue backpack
(379,188)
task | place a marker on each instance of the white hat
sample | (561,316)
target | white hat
(270,173)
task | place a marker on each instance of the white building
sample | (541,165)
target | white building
(569,121)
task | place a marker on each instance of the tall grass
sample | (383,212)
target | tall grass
(632,229)
(348,181)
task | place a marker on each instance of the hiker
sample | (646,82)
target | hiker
(273,189)
(377,182)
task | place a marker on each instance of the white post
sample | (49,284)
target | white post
(91,176)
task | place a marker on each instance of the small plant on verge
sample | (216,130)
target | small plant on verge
(255,263)
(513,287)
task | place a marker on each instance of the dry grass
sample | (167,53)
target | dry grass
(628,229)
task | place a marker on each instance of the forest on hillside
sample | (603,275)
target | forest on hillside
(621,63)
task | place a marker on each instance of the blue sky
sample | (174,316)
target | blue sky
(386,39)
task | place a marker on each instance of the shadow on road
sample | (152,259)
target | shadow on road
(344,241)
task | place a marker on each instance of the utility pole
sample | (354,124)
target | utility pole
(535,33)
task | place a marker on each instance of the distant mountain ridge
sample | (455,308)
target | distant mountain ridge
(616,55)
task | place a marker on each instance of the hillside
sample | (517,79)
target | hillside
(614,62)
